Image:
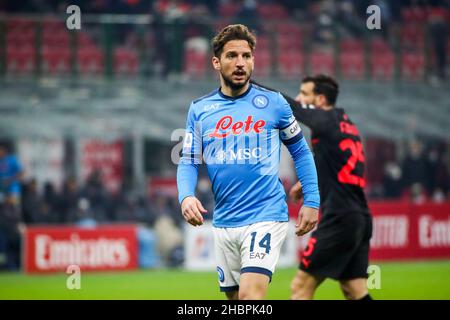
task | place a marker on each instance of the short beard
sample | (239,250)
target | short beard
(235,87)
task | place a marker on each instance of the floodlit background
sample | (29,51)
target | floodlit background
(91,115)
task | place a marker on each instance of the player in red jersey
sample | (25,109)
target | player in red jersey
(339,248)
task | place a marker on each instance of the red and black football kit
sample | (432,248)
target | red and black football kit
(339,247)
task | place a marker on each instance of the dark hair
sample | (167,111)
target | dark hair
(324,85)
(232,32)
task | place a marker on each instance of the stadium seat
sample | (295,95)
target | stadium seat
(20,60)
(414,14)
(289,42)
(21,37)
(221,23)
(228,9)
(195,63)
(19,24)
(263,43)
(413,66)
(126,61)
(55,38)
(84,40)
(291,64)
(382,66)
(322,62)
(90,60)
(271,11)
(352,65)
(379,45)
(412,36)
(289,29)
(56,60)
(263,64)
(352,45)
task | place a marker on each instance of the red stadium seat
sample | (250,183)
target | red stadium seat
(414,14)
(54,25)
(289,43)
(412,36)
(382,65)
(352,65)
(56,60)
(195,63)
(291,64)
(229,9)
(322,62)
(289,29)
(263,43)
(352,45)
(84,40)
(413,66)
(59,38)
(221,23)
(90,60)
(263,64)
(272,11)
(126,61)
(19,24)
(379,45)
(20,60)
(21,37)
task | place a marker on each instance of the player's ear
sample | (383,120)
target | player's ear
(321,100)
(216,63)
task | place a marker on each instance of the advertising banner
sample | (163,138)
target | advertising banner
(54,248)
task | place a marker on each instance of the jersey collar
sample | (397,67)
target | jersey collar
(237,97)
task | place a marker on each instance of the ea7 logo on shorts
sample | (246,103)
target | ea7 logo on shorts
(257,255)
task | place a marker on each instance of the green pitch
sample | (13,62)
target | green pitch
(418,280)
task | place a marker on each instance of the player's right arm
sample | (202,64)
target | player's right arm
(187,172)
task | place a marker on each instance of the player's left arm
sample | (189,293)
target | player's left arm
(292,137)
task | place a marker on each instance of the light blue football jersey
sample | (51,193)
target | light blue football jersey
(239,139)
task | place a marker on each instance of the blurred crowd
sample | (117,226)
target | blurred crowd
(423,174)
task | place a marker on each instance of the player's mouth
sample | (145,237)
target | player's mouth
(239,75)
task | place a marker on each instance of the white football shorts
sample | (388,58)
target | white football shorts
(253,248)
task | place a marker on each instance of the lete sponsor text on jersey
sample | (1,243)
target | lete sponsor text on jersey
(226,126)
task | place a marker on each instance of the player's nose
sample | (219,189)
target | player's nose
(240,61)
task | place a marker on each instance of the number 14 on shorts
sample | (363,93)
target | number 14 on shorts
(264,243)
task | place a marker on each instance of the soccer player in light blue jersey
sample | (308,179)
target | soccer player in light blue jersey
(11,173)
(237,130)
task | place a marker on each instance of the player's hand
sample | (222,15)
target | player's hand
(295,194)
(307,220)
(192,209)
